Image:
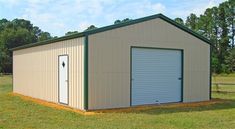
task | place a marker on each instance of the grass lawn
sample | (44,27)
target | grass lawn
(18,113)
(224,78)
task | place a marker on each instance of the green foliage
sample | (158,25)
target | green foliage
(217,24)
(179,20)
(192,22)
(71,32)
(44,36)
(215,64)
(231,18)
(122,21)
(230,61)
(91,27)
(117,22)
(126,20)
(16,33)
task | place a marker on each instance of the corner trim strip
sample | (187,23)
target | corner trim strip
(85,72)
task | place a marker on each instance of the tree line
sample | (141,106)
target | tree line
(16,33)
(216,23)
(20,32)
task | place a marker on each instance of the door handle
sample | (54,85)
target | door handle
(179,78)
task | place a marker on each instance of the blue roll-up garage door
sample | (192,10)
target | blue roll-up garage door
(156,76)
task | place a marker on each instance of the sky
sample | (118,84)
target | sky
(60,16)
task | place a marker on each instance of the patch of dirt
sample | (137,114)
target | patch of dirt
(121,110)
(52,105)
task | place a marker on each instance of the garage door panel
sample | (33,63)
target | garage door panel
(156,76)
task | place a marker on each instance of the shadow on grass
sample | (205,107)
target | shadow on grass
(175,108)
(224,92)
(229,104)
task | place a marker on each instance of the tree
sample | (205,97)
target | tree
(231,21)
(214,36)
(117,22)
(126,20)
(91,27)
(122,21)
(11,38)
(217,24)
(205,23)
(230,61)
(179,20)
(223,33)
(71,32)
(192,22)
(44,36)
(21,23)
(16,33)
(3,23)
(215,27)
(36,31)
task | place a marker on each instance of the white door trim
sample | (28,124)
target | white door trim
(65,81)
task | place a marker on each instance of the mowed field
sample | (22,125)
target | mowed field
(18,113)
(225,90)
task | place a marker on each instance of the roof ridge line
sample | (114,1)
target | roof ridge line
(114,26)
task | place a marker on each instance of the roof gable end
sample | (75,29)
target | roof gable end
(106,28)
(163,17)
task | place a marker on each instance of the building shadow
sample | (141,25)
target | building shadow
(214,104)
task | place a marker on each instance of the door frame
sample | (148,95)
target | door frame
(182,69)
(59,79)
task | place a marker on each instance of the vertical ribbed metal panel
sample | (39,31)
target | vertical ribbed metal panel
(36,71)
(109,61)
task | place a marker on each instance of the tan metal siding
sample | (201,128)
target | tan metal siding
(36,71)
(109,61)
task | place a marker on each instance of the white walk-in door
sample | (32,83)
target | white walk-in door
(156,76)
(63,79)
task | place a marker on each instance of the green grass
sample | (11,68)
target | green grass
(226,91)
(16,113)
(224,78)
(225,75)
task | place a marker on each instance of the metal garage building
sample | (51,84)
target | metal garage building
(144,61)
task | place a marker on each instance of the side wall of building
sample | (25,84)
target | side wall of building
(109,61)
(35,71)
